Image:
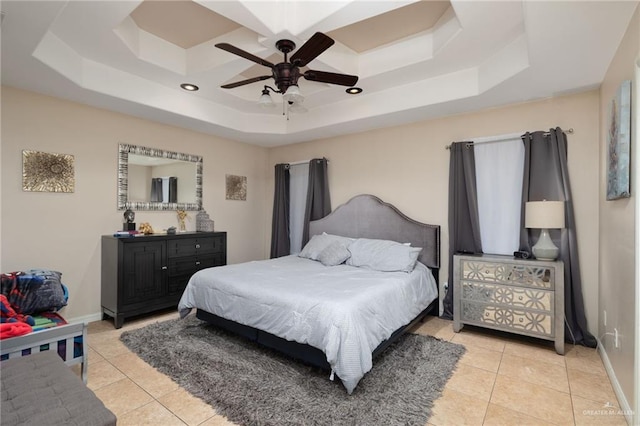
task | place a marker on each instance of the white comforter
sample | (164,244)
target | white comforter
(343,310)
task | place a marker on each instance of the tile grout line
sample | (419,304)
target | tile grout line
(566,371)
(495,379)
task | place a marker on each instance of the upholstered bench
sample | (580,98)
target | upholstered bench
(40,389)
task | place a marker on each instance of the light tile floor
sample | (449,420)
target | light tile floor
(501,380)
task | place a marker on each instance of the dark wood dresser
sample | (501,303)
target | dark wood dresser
(143,274)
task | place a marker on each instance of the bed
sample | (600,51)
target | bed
(336,317)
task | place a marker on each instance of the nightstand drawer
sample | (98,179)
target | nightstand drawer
(518,297)
(508,319)
(523,274)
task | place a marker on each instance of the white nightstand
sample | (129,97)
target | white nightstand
(515,295)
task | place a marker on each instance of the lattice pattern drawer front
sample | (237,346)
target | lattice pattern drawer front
(508,319)
(517,297)
(515,274)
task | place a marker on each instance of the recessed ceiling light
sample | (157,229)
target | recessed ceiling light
(353,90)
(190,87)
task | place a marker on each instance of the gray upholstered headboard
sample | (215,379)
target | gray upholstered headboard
(367,216)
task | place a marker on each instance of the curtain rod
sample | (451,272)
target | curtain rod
(297,163)
(501,138)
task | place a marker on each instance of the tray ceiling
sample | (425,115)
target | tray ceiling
(416,59)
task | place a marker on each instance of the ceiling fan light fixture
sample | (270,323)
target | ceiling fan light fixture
(265,100)
(293,94)
(353,90)
(189,87)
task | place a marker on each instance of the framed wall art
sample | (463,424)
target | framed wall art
(236,187)
(46,172)
(618,144)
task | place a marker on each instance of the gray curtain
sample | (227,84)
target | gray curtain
(173,189)
(464,225)
(318,200)
(546,177)
(280,244)
(156,190)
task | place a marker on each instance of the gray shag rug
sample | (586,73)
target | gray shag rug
(252,385)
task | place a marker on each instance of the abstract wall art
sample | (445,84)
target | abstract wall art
(236,187)
(46,172)
(618,144)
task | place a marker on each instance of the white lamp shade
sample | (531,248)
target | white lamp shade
(293,95)
(265,101)
(544,214)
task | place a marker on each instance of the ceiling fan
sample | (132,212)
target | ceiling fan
(287,73)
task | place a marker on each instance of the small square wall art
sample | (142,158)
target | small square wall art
(46,172)
(236,187)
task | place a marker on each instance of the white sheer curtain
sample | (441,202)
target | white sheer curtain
(499,173)
(298,185)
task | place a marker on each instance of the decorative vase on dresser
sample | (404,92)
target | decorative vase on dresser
(514,295)
(147,273)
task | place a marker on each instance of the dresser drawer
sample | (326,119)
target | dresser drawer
(182,268)
(518,297)
(194,246)
(508,318)
(531,275)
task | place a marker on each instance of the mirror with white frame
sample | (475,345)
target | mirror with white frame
(155,179)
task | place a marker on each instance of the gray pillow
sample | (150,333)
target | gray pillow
(318,243)
(383,255)
(334,254)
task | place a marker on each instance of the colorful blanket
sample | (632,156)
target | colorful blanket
(34,291)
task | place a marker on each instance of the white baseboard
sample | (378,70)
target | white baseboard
(622,399)
(86,318)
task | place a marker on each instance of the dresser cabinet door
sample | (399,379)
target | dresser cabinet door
(142,269)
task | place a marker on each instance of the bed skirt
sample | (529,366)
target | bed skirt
(302,352)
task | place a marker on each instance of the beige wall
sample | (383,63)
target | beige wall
(617,231)
(408,166)
(62,231)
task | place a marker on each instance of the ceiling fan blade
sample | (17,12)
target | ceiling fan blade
(317,44)
(243,82)
(244,54)
(331,77)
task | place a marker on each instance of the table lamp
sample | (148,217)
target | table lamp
(544,215)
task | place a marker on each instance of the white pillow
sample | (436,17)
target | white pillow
(334,254)
(383,255)
(318,243)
